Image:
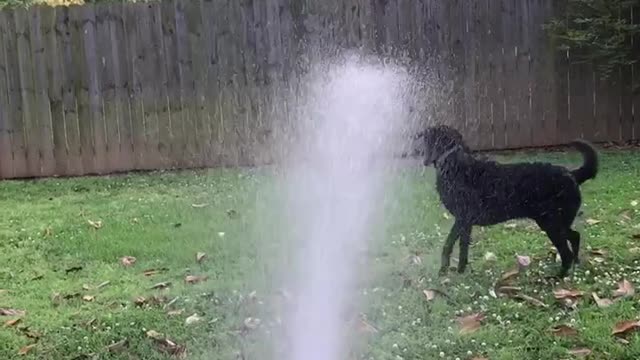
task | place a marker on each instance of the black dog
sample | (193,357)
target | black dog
(479,192)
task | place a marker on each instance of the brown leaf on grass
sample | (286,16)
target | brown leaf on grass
(11,312)
(12,322)
(599,252)
(591,221)
(508,276)
(567,294)
(581,352)
(95,224)
(31,334)
(166,345)
(192,319)
(200,256)
(624,327)
(531,300)
(523,261)
(508,290)
(118,347)
(625,289)
(199,206)
(140,300)
(73,269)
(194,279)
(429,294)
(601,303)
(470,323)
(564,331)
(26,349)
(47,232)
(88,298)
(127,261)
(161,285)
(175,312)
(151,272)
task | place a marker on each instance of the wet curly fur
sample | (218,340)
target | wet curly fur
(479,192)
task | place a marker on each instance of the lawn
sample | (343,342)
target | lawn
(208,243)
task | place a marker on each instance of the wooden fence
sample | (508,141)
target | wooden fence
(187,83)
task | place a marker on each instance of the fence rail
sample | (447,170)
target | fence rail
(111,87)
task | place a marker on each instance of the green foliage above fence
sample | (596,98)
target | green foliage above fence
(598,32)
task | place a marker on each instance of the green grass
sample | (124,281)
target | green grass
(45,231)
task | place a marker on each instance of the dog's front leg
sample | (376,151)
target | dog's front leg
(465,240)
(448,247)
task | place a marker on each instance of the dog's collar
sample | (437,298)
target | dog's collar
(446,154)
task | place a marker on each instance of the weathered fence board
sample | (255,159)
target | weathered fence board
(111,87)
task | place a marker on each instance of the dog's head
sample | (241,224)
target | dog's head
(436,141)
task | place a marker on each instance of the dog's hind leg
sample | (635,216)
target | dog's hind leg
(559,236)
(465,240)
(447,249)
(574,240)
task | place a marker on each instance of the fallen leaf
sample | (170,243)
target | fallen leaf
(602,303)
(161,285)
(531,300)
(523,261)
(154,334)
(508,276)
(429,294)
(634,203)
(490,257)
(47,232)
(470,323)
(508,290)
(31,334)
(192,319)
(599,252)
(88,298)
(564,331)
(624,327)
(625,289)
(12,322)
(25,350)
(95,224)
(118,347)
(200,257)
(139,300)
(128,261)
(580,352)
(175,312)
(564,294)
(199,206)
(73,269)
(151,272)
(592,221)
(194,279)
(251,323)
(446,216)
(11,312)
(166,345)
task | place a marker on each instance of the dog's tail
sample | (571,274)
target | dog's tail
(589,168)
